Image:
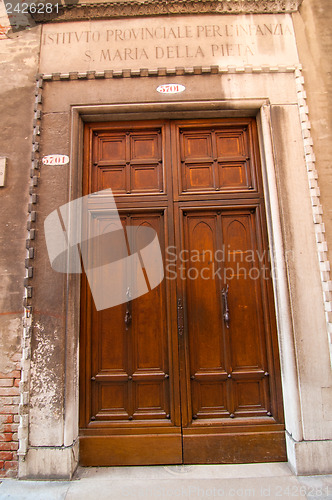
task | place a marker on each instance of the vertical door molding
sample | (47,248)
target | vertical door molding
(289,371)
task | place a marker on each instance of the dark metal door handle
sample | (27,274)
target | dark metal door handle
(224,293)
(128,318)
(180,318)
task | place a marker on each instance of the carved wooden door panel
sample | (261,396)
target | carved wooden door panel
(193,375)
(230,380)
(129,399)
(230,414)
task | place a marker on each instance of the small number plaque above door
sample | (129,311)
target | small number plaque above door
(171,88)
(56,160)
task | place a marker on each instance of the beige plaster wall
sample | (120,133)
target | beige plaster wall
(313,29)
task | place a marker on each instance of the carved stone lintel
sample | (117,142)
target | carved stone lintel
(75,11)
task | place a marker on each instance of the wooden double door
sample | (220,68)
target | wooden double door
(189,371)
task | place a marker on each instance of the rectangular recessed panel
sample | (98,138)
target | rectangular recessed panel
(249,397)
(113,341)
(198,177)
(248,393)
(149,331)
(113,400)
(244,272)
(149,399)
(203,292)
(149,395)
(231,143)
(111,177)
(149,325)
(209,398)
(196,145)
(112,354)
(245,343)
(146,178)
(145,146)
(113,148)
(234,175)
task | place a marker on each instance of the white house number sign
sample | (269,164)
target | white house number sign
(170,88)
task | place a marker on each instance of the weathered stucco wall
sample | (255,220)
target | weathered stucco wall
(19,58)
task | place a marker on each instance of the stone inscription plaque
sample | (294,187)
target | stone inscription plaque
(168,42)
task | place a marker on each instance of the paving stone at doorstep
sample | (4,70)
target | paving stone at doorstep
(225,471)
(253,488)
(248,481)
(14,489)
